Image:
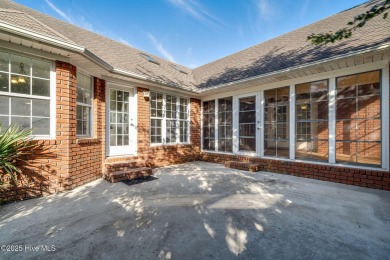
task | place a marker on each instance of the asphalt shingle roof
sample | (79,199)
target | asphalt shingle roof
(280,53)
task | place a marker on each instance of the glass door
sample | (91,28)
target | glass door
(249,124)
(121,121)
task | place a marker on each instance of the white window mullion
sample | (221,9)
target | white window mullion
(164,121)
(188,120)
(177,123)
(332,120)
(292,133)
(261,143)
(235,124)
(385,116)
(216,125)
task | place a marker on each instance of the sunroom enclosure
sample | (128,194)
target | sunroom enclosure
(340,119)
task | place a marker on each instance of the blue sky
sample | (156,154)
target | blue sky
(191,32)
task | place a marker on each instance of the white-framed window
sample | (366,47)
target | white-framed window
(84,98)
(169,119)
(26,94)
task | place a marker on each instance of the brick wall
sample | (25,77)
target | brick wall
(358,177)
(66,162)
(157,156)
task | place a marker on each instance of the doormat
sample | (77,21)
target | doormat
(138,181)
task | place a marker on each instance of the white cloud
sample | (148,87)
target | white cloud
(59,11)
(121,40)
(158,45)
(197,11)
(81,21)
(265,10)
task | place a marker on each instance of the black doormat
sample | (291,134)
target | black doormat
(138,181)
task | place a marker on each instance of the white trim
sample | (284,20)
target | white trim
(257,128)
(235,124)
(385,116)
(91,133)
(291,122)
(216,115)
(133,104)
(262,123)
(332,120)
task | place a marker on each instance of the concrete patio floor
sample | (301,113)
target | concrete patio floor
(203,211)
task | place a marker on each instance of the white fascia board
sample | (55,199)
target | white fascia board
(31,35)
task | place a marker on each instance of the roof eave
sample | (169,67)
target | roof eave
(298,67)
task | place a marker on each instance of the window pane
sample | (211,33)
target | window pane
(4,61)
(346,86)
(302,93)
(21,106)
(312,120)
(346,152)
(319,91)
(369,130)
(369,153)
(20,84)
(4,121)
(283,150)
(20,65)
(112,140)
(270,147)
(4,82)
(346,130)
(22,122)
(40,126)
(41,108)
(361,139)
(319,130)
(270,97)
(369,107)
(41,87)
(4,105)
(41,69)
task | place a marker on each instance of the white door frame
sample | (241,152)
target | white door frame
(236,132)
(133,104)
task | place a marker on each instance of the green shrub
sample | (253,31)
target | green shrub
(15,145)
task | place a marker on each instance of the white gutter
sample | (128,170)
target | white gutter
(62,44)
(334,58)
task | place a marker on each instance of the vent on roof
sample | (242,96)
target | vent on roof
(150,59)
(178,68)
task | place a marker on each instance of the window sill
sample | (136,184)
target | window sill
(169,145)
(87,141)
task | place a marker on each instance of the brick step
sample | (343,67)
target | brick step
(245,166)
(131,174)
(123,165)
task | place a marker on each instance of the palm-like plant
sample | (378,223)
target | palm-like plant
(14,146)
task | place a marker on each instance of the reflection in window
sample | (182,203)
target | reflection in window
(209,125)
(225,124)
(25,93)
(312,120)
(247,124)
(358,119)
(276,118)
(174,116)
(156,117)
(84,93)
